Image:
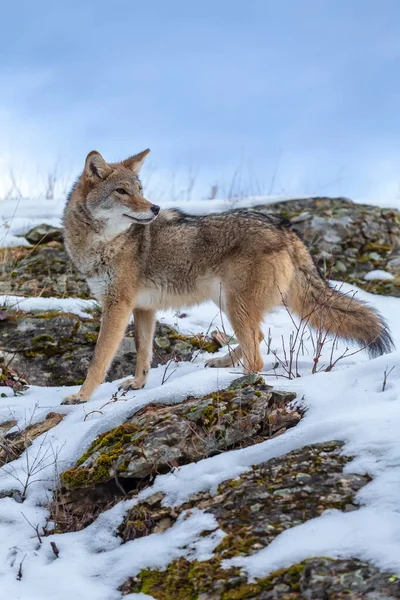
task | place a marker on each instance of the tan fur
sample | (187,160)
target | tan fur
(245,261)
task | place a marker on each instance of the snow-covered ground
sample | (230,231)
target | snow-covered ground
(346,404)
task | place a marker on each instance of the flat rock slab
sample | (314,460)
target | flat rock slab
(13,444)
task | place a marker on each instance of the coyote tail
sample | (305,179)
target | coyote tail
(343,315)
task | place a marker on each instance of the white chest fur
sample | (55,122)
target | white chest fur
(99,285)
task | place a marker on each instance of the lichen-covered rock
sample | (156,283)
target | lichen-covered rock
(53,349)
(312,579)
(44,270)
(251,510)
(159,438)
(347,239)
(273,496)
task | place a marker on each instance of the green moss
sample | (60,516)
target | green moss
(375,247)
(231,483)
(237,544)
(182,580)
(111,446)
(75,478)
(51,314)
(91,337)
(42,339)
(222,395)
(209,415)
(198,341)
(186,580)
(112,440)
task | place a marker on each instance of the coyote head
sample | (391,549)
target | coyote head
(114,193)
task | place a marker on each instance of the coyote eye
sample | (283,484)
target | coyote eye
(121,191)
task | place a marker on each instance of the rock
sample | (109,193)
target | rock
(252,511)
(242,382)
(6,426)
(53,349)
(347,239)
(312,579)
(13,444)
(43,234)
(44,270)
(159,438)
(9,378)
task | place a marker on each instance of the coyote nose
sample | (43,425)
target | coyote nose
(155,209)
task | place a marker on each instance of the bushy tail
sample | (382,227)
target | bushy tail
(343,315)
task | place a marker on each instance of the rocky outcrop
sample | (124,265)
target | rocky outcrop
(347,240)
(53,349)
(44,233)
(44,270)
(252,510)
(159,438)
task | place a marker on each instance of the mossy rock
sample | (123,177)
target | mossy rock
(256,507)
(347,240)
(159,438)
(312,579)
(54,348)
(44,270)
(252,510)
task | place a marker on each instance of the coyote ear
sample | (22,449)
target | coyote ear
(134,163)
(96,166)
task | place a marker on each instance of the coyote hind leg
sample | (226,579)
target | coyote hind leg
(245,320)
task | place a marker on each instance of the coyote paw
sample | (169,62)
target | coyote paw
(221,362)
(74,399)
(131,384)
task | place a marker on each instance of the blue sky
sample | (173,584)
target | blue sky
(285,97)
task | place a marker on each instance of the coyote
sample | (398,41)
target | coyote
(139,258)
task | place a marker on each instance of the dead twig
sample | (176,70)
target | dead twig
(386,374)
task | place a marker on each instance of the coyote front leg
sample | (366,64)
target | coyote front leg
(145,321)
(113,325)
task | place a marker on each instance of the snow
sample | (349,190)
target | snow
(346,404)
(76,306)
(379,275)
(18,216)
